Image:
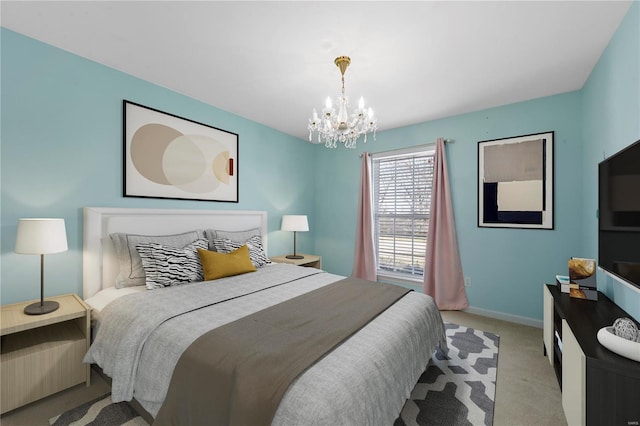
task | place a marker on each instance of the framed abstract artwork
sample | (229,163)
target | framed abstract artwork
(166,156)
(515,182)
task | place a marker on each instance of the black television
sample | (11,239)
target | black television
(619,214)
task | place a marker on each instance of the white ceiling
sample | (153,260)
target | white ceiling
(272,62)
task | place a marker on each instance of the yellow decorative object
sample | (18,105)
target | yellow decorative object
(219,265)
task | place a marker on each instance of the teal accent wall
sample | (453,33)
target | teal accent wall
(62,150)
(611,117)
(507,267)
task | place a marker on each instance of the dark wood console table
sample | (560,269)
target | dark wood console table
(599,387)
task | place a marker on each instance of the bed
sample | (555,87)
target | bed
(140,335)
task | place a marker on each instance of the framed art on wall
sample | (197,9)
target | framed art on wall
(515,182)
(167,156)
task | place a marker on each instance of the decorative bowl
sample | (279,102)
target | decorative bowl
(626,348)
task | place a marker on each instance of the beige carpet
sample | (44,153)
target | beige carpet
(527,392)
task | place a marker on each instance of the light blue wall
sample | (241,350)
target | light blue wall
(507,267)
(62,150)
(611,117)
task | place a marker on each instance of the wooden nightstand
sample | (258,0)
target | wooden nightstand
(42,354)
(309,260)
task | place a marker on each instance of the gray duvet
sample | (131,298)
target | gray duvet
(365,381)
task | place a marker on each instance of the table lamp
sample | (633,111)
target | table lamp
(41,236)
(295,223)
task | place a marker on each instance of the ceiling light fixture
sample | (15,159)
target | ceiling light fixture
(333,128)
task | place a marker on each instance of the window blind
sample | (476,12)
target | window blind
(402,197)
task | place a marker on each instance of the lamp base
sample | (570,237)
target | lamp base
(38,309)
(294,256)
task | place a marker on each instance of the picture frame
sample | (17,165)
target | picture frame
(516,182)
(172,157)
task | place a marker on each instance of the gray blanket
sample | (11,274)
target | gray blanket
(365,380)
(237,374)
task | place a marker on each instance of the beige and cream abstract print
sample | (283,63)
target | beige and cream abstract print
(172,157)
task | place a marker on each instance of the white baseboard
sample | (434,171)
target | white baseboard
(505,317)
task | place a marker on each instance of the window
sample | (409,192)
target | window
(402,182)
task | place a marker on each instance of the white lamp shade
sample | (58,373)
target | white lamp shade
(41,236)
(295,222)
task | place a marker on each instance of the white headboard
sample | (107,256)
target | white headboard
(99,262)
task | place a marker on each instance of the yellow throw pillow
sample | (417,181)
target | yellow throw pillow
(219,265)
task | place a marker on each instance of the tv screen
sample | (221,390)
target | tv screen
(619,214)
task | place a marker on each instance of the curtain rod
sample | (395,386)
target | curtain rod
(446,141)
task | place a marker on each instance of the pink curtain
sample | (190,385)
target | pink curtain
(443,277)
(364,264)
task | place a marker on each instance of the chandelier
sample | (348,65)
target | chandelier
(333,128)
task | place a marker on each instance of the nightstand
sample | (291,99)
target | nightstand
(42,354)
(309,260)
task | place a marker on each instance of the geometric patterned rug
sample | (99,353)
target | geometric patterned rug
(457,388)
(459,384)
(100,412)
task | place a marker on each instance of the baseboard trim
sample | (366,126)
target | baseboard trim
(505,317)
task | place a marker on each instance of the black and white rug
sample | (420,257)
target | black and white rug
(100,412)
(459,384)
(457,388)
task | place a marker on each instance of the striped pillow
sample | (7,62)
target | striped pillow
(166,266)
(254,244)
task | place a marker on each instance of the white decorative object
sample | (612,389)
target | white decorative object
(626,328)
(623,347)
(332,127)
